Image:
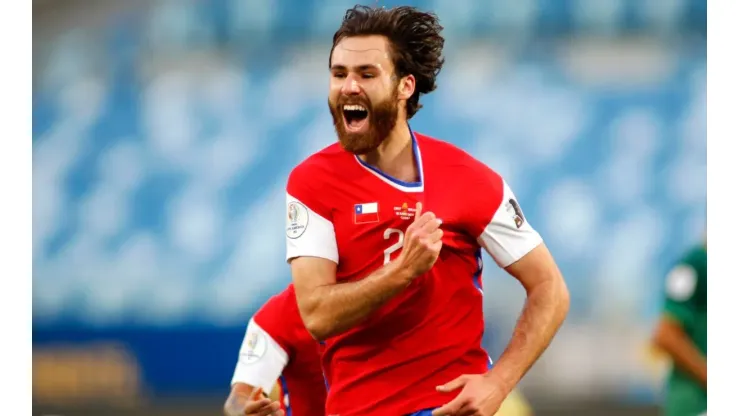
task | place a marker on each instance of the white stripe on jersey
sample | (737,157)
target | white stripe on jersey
(508,236)
(261,359)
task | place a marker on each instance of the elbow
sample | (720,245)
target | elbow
(551,294)
(314,318)
(562,298)
(317,328)
(316,324)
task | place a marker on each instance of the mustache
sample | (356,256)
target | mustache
(347,100)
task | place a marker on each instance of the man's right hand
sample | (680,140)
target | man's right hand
(255,405)
(422,243)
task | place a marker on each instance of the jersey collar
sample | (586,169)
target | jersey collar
(397,183)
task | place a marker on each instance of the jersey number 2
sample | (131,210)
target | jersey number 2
(388,234)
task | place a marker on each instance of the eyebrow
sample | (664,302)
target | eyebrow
(358,68)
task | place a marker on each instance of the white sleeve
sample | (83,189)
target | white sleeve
(508,236)
(261,359)
(308,233)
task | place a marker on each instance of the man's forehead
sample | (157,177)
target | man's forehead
(366,50)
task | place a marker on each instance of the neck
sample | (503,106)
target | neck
(395,156)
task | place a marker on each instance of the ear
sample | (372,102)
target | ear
(406,87)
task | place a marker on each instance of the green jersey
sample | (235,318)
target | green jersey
(686,302)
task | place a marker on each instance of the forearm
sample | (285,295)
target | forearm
(690,360)
(333,309)
(682,351)
(545,309)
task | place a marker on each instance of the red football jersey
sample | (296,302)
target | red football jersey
(278,348)
(344,210)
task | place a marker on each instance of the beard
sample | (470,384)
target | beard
(381,120)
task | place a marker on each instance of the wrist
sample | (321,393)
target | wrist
(234,404)
(499,382)
(402,274)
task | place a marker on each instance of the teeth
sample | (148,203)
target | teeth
(354,108)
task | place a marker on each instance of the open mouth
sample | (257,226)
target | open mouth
(355,117)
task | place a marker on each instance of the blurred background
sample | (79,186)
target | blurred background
(164,131)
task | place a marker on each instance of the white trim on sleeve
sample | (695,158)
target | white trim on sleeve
(508,236)
(307,233)
(261,359)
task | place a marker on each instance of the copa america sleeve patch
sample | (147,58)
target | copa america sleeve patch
(261,359)
(297,219)
(255,345)
(308,234)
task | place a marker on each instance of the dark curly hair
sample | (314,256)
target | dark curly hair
(415,41)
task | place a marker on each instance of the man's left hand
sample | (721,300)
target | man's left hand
(481,395)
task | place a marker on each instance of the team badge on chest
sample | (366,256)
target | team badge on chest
(405,211)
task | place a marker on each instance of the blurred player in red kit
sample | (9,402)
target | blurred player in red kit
(385,231)
(276,342)
(278,352)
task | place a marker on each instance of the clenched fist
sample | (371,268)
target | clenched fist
(422,243)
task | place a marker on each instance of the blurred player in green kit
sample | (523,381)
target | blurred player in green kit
(682,334)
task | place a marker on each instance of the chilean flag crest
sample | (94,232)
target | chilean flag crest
(366,213)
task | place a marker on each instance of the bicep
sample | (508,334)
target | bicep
(513,243)
(535,267)
(311,246)
(310,273)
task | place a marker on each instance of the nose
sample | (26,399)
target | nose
(350,86)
